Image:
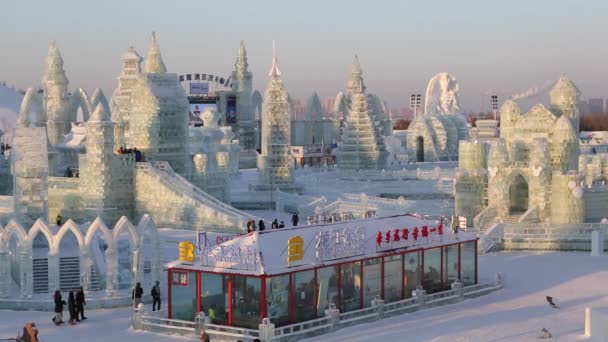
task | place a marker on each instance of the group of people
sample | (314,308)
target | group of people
(76,303)
(71,173)
(135,151)
(4,147)
(138,293)
(251,227)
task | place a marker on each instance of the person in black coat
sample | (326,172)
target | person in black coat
(155,296)
(72,307)
(295,219)
(261,226)
(138,291)
(59,303)
(80,303)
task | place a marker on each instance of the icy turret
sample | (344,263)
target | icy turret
(120,102)
(96,164)
(567,203)
(540,171)
(565,146)
(470,180)
(564,100)
(509,114)
(361,148)
(154,62)
(56,99)
(275,163)
(158,117)
(242,80)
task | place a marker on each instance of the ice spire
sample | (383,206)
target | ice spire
(241,59)
(355,84)
(54,66)
(154,62)
(274,70)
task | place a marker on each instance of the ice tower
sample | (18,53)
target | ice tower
(121,99)
(275,163)
(361,147)
(56,98)
(242,80)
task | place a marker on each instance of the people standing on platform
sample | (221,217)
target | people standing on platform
(138,291)
(295,219)
(155,296)
(59,303)
(250,226)
(275,224)
(80,303)
(72,307)
(282,224)
(261,225)
(58,219)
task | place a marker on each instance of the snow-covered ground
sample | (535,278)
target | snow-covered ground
(515,313)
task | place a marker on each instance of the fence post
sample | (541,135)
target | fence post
(420,294)
(266,330)
(334,316)
(200,321)
(378,303)
(500,279)
(136,317)
(458,289)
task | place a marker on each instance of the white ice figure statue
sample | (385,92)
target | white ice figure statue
(442,95)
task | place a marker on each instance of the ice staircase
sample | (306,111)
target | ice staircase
(41,275)
(513,218)
(178,184)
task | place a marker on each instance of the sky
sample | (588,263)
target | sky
(501,46)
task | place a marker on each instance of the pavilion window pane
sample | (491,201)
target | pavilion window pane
(350,287)
(392,278)
(327,285)
(183,298)
(413,272)
(214,297)
(432,270)
(467,260)
(304,295)
(450,265)
(246,294)
(372,280)
(277,299)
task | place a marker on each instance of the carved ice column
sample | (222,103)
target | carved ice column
(85,270)
(135,269)
(111,272)
(26,268)
(5,279)
(53,269)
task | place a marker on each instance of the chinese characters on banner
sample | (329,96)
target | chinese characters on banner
(179,278)
(407,237)
(340,243)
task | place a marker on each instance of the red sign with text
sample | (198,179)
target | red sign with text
(179,278)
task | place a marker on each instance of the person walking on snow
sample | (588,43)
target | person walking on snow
(59,303)
(155,296)
(59,218)
(72,307)
(80,303)
(136,295)
(295,219)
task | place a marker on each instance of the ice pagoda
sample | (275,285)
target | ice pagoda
(362,146)
(275,163)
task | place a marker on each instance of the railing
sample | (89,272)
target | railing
(484,217)
(332,320)
(491,237)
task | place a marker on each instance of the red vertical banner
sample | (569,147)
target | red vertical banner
(316,295)
(198,292)
(230,300)
(361,285)
(264,304)
(403,275)
(459,262)
(382,279)
(422,270)
(339,303)
(441,268)
(169,271)
(291,303)
(476,262)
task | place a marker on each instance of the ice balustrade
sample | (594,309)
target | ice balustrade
(332,320)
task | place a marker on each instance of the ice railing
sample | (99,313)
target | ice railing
(331,321)
(544,230)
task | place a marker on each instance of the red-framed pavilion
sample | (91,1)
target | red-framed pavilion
(301,290)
